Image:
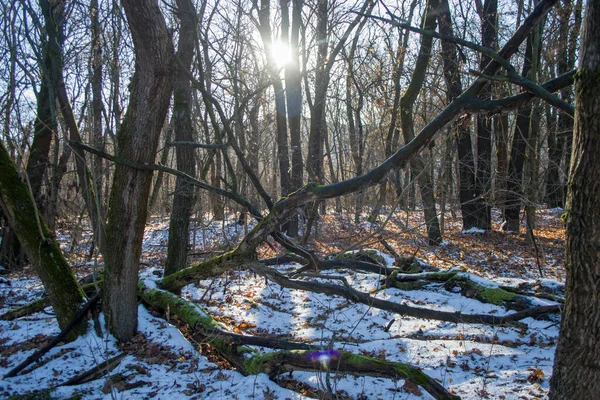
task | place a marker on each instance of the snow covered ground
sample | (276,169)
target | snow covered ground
(472,360)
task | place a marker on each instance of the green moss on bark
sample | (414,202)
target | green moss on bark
(206,269)
(64,292)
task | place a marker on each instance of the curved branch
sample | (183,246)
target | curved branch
(530,86)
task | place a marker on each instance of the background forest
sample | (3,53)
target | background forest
(413,142)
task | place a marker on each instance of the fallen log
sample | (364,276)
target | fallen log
(278,363)
(41,303)
(273,364)
(454,280)
(402,309)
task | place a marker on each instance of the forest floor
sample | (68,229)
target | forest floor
(471,360)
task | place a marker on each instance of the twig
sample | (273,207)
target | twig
(38,354)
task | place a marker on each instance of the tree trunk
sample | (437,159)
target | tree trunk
(514,184)
(293,91)
(418,163)
(471,202)
(483,179)
(58,279)
(97,139)
(183,200)
(576,373)
(137,141)
(567,42)
(52,11)
(318,126)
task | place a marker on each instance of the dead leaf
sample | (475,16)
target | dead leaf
(536,376)
(411,388)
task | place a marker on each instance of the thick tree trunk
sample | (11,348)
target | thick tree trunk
(58,279)
(183,200)
(137,141)
(576,373)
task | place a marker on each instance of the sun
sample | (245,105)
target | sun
(281,53)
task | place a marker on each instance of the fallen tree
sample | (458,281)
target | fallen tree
(402,309)
(511,298)
(305,357)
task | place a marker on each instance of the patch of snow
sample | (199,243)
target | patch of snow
(473,230)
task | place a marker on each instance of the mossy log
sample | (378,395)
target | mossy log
(223,342)
(306,358)
(453,280)
(207,269)
(274,364)
(27,309)
(64,292)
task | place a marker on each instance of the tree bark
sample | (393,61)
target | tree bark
(576,373)
(183,200)
(137,141)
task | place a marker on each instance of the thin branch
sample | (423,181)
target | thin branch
(36,356)
(521,99)
(197,145)
(158,167)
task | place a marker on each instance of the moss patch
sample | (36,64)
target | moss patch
(496,296)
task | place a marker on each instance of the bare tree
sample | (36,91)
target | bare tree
(137,141)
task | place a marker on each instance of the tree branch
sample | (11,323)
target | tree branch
(530,86)
(158,167)
(416,312)
(519,100)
